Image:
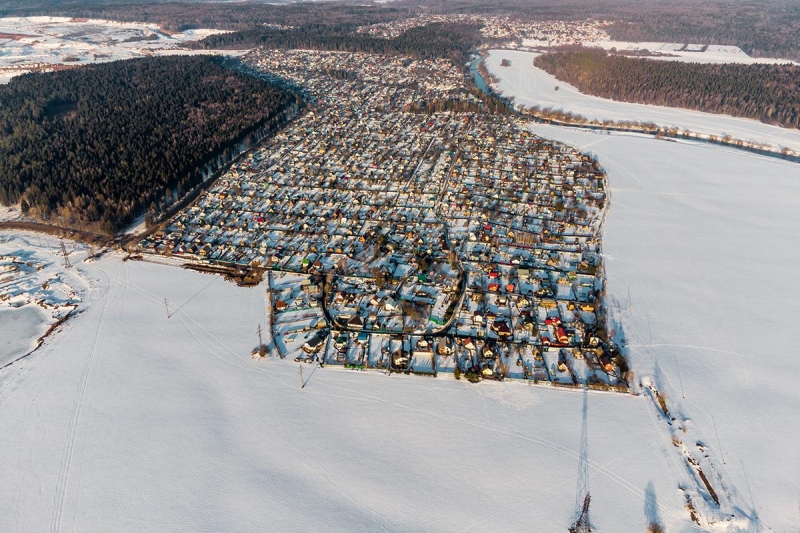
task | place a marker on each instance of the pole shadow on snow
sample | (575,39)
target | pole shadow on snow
(651,513)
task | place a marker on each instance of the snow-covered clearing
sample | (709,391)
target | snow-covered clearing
(691,53)
(702,249)
(35,291)
(530,85)
(19,329)
(132,421)
(43,43)
(9,213)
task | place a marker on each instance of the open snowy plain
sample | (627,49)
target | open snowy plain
(701,245)
(530,85)
(20,329)
(691,53)
(35,293)
(126,420)
(44,43)
(698,241)
(130,421)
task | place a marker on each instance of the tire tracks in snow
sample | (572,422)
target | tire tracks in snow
(281,441)
(77,412)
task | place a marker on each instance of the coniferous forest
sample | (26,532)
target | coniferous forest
(452,41)
(769,93)
(96,145)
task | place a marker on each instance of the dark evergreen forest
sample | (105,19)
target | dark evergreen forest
(769,93)
(453,41)
(95,145)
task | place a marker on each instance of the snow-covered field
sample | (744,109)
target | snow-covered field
(9,213)
(42,43)
(19,329)
(532,86)
(692,53)
(130,421)
(702,249)
(127,420)
(35,292)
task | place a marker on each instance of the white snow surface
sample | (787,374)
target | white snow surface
(702,248)
(35,291)
(9,212)
(130,421)
(530,85)
(45,43)
(19,330)
(694,53)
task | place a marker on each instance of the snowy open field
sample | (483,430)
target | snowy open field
(35,292)
(129,421)
(702,249)
(532,86)
(19,329)
(691,53)
(33,43)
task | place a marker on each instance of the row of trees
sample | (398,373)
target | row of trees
(482,103)
(769,93)
(97,145)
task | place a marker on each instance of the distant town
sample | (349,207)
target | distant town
(402,227)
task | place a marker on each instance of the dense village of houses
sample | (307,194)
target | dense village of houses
(411,239)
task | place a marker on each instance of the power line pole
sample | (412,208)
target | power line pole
(67,264)
(302,385)
(166,306)
(260,343)
(719,443)
(752,500)
(582,499)
(680,380)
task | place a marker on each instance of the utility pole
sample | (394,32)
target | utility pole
(583,498)
(302,385)
(260,343)
(166,306)
(680,380)
(67,264)
(719,443)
